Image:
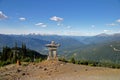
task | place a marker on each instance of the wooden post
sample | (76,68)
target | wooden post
(18,63)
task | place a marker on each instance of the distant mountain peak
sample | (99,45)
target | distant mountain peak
(103,34)
(117,34)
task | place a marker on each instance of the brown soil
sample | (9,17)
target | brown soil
(56,70)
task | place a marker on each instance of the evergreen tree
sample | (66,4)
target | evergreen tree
(24,50)
(5,54)
(11,55)
(72,60)
(0,55)
(16,46)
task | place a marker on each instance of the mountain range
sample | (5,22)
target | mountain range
(99,47)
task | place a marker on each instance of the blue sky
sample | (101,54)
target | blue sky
(61,17)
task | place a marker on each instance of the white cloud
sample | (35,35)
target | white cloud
(118,20)
(68,27)
(41,24)
(2,15)
(92,26)
(106,31)
(59,24)
(112,24)
(22,19)
(57,19)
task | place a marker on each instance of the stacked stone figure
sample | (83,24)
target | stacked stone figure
(52,55)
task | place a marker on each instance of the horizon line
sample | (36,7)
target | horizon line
(45,34)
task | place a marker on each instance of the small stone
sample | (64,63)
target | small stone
(61,64)
(51,71)
(55,69)
(27,73)
(45,69)
(75,70)
(49,74)
(86,69)
(18,70)
(23,74)
(33,63)
(7,74)
(40,67)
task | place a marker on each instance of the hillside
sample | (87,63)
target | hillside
(14,54)
(102,52)
(31,43)
(52,70)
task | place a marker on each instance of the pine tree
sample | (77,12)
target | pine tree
(24,50)
(72,60)
(16,46)
(5,53)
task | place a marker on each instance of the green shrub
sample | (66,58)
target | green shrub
(3,63)
(38,60)
(63,60)
(77,62)
(84,62)
(72,60)
(27,59)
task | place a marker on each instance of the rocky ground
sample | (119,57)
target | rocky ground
(56,70)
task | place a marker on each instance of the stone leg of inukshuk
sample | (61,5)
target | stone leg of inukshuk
(49,55)
(55,55)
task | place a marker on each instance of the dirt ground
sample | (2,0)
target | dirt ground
(56,70)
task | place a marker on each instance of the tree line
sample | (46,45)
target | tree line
(91,63)
(11,55)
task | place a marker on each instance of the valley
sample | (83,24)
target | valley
(95,48)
